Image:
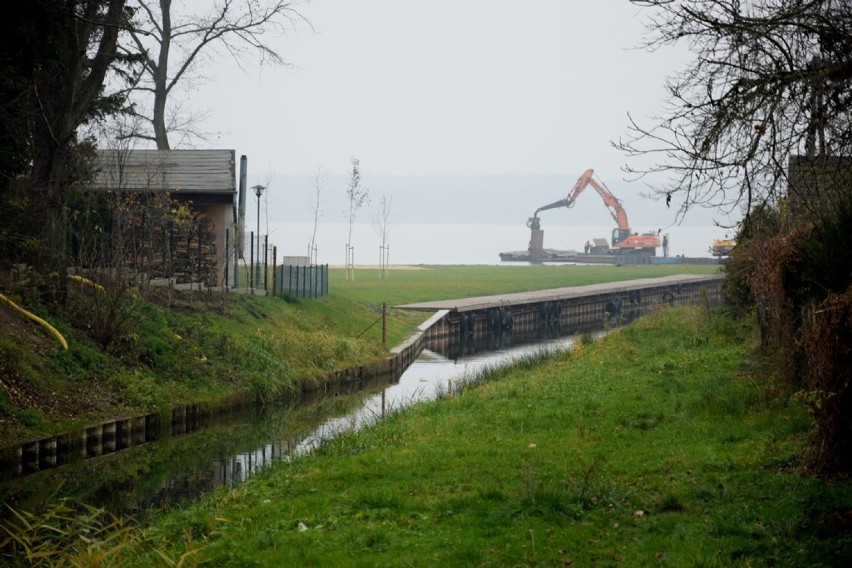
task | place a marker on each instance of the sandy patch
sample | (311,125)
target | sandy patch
(376,267)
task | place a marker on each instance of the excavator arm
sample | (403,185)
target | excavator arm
(572,195)
(611,201)
(613,204)
(621,236)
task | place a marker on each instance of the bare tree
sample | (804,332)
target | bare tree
(173,46)
(315,207)
(770,80)
(358,197)
(383,224)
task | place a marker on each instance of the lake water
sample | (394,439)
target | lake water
(426,243)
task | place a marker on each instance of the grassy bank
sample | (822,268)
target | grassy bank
(662,444)
(197,347)
(210,350)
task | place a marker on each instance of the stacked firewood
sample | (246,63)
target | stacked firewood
(183,249)
(193,251)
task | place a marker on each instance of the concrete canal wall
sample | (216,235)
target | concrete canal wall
(578,307)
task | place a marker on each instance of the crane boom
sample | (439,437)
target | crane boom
(619,215)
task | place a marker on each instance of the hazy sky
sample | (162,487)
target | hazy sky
(442,87)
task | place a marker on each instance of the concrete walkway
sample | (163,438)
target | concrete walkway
(497,300)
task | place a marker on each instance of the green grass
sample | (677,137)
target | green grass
(427,283)
(661,444)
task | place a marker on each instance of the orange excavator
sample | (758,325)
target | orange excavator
(623,240)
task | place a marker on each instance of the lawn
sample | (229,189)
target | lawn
(425,283)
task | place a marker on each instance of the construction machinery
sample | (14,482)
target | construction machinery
(722,247)
(623,239)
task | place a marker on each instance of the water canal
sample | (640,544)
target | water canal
(227,450)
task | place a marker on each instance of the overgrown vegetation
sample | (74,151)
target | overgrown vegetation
(789,269)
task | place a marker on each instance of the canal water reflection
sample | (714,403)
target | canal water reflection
(177,469)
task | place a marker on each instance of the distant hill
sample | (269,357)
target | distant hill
(483,199)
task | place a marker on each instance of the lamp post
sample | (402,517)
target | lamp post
(258,190)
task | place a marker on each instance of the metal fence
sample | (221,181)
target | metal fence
(302,281)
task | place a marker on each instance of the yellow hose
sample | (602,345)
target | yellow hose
(38,320)
(86,281)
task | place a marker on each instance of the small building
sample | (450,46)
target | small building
(204,181)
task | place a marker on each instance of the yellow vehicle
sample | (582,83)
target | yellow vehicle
(722,247)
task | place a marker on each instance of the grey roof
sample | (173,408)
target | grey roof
(187,171)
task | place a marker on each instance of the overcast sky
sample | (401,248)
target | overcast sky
(442,87)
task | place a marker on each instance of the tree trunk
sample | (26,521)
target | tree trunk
(160,76)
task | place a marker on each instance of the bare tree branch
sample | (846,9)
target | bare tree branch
(770,80)
(173,45)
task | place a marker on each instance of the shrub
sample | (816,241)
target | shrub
(800,282)
(827,358)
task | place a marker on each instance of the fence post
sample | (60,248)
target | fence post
(251,262)
(200,259)
(226,273)
(274,268)
(304,282)
(236,261)
(265,262)
(170,270)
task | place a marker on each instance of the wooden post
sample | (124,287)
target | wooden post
(384,324)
